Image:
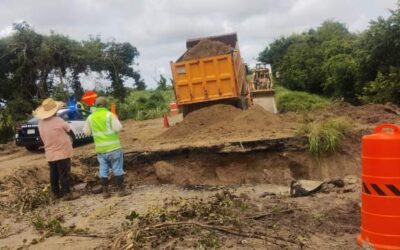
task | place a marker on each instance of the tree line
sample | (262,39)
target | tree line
(34,66)
(332,61)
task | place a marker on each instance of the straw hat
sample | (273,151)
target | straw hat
(48,108)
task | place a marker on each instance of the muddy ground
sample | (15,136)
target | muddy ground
(255,175)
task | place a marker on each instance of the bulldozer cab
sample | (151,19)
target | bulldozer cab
(262,88)
(261,77)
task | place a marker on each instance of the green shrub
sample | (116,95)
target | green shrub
(326,136)
(297,101)
(49,225)
(6,126)
(146,104)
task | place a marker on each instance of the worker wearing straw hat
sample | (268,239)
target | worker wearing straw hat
(54,133)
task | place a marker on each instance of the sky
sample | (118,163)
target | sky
(159,28)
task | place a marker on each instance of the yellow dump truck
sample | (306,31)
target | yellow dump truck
(210,71)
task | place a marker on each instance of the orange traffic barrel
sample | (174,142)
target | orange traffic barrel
(380,197)
(173,107)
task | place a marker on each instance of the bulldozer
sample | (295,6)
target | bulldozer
(262,88)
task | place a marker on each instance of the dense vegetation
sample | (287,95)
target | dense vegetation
(334,62)
(145,104)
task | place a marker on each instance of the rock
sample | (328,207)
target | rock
(351,179)
(164,171)
(309,184)
(80,186)
(327,187)
(97,189)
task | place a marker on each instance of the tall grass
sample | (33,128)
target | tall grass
(297,101)
(325,137)
(146,104)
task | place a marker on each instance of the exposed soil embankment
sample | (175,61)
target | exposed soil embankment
(365,114)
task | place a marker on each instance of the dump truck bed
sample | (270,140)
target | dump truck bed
(206,79)
(211,78)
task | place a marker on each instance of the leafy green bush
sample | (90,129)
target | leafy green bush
(326,136)
(147,104)
(385,88)
(297,101)
(6,126)
(49,225)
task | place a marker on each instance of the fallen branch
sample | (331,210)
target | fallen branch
(13,233)
(86,235)
(221,229)
(260,216)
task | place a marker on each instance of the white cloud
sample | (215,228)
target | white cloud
(159,28)
(6,31)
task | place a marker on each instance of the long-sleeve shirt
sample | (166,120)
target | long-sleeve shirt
(57,144)
(115,125)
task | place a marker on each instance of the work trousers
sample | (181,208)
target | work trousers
(60,176)
(113,160)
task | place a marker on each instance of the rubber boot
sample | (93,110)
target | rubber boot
(119,182)
(70,196)
(104,187)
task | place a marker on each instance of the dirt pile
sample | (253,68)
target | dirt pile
(224,123)
(8,148)
(206,48)
(366,114)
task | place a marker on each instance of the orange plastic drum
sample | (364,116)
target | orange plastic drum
(380,212)
(173,108)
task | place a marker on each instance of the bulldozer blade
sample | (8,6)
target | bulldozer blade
(265,99)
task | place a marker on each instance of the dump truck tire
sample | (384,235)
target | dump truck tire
(242,103)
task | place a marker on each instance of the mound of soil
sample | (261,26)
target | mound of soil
(226,123)
(366,114)
(206,48)
(8,148)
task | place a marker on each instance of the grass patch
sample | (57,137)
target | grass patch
(297,101)
(325,137)
(146,104)
(49,226)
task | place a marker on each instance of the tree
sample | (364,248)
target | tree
(274,53)
(341,75)
(162,83)
(301,68)
(119,58)
(316,60)
(139,82)
(35,66)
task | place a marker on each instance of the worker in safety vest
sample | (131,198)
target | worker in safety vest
(105,127)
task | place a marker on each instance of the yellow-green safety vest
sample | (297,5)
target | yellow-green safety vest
(105,139)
